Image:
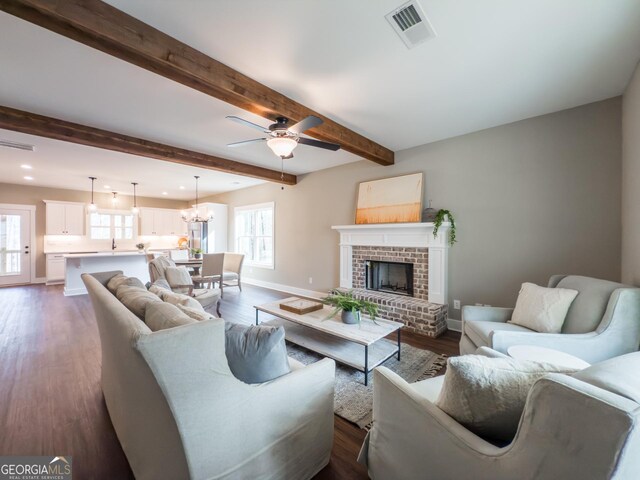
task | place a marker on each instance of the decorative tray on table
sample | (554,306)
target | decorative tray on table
(301,306)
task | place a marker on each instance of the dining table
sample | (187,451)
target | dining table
(194,263)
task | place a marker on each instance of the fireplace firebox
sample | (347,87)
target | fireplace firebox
(391,277)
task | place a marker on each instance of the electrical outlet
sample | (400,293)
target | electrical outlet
(456,304)
(310,280)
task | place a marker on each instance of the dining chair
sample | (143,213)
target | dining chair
(232,276)
(211,271)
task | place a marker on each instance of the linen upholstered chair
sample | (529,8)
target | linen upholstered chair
(211,271)
(232,276)
(602,322)
(207,297)
(586,425)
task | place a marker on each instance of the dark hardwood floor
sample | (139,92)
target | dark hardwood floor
(50,397)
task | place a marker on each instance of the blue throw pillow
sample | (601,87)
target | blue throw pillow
(256,353)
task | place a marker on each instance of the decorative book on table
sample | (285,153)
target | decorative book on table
(301,306)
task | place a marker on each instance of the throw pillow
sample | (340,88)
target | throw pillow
(160,286)
(487,395)
(179,299)
(161,315)
(542,309)
(136,299)
(256,353)
(196,313)
(115,281)
(178,277)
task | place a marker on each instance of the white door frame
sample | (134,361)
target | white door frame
(33,250)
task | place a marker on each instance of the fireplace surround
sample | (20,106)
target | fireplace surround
(406,243)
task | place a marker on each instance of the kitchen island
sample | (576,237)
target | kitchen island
(132,264)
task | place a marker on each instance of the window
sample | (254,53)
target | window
(105,226)
(254,234)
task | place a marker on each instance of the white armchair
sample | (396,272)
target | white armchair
(573,427)
(602,322)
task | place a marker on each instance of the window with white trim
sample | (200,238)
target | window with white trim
(254,226)
(108,225)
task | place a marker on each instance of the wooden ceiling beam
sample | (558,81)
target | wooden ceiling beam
(33,124)
(104,27)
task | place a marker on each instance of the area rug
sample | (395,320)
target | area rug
(354,400)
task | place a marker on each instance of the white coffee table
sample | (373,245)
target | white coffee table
(547,355)
(335,339)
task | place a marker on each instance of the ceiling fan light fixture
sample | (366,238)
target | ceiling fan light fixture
(282,146)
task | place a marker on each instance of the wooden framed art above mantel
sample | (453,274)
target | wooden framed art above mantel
(390,200)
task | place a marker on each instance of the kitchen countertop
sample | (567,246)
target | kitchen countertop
(103,254)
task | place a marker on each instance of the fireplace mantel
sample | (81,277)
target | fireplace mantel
(416,235)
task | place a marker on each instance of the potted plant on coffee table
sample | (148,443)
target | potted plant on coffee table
(350,306)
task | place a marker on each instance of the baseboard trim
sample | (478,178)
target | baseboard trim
(284,288)
(39,280)
(455,325)
(70,292)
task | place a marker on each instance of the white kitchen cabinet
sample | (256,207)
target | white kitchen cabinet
(64,218)
(56,266)
(161,221)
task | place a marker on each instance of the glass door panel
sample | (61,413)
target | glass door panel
(14,247)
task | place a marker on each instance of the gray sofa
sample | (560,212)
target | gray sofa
(180,413)
(602,322)
(584,426)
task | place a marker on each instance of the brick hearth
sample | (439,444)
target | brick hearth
(417,313)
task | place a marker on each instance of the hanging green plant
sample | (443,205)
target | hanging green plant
(440,216)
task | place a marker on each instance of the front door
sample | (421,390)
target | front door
(15,244)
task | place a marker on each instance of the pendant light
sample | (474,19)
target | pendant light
(194,215)
(114,200)
(92,206)
(135,208)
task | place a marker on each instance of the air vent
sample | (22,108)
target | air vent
(411,24)
(19,146)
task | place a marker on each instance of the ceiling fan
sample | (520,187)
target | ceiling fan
(282,138)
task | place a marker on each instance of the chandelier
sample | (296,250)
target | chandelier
(193,216)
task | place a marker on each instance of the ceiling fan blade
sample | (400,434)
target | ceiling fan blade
(247,123)
(246,142)
(317,143)
(305,124)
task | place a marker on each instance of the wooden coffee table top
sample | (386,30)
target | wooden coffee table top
(365,333)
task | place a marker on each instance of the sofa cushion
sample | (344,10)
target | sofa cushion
(136,299)
(197,314)
(487,395)
(206,296)
(542,309)
(429,388)
(587,310)
(618,375)
(162,315)
(479,332)
(256,353)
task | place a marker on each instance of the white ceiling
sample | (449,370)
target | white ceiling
(493,62)
(66,165)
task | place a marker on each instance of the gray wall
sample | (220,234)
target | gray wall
(531,199)
(631,182)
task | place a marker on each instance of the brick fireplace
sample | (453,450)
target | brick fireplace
(423,307)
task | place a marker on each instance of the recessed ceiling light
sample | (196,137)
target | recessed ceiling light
(107,186)
(181,187)
(165,193)
(26,167)
(28,178)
